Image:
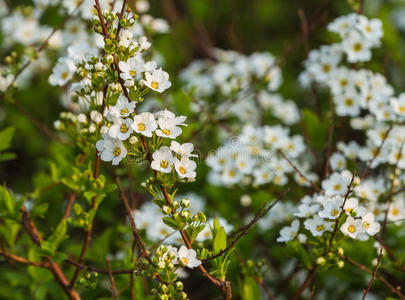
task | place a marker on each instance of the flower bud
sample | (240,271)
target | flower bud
(185,203)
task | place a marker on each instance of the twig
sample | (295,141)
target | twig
(299,172)
(393,289)
(135,232)
(57,272)
(24,260)
(349,190)
(390,197)
(374,275)
(244,230)
(330,135)
(361,8)
(370,162)
(307,282)
(112,286)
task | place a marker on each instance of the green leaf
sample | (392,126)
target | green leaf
(6,136)
(57,237)
(40,210)
(171,223)
(6,156)
(250,290)
(219,240)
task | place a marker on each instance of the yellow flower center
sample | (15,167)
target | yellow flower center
(166,131)
(402,109)
(320,227)
(395,211)
(334,212)
(326,68)
(343,82)
(184,260)
(124,111)
(221,161)
(164,164)
(366,224)
(182,170)
(124,128)
(349,102)
(351,228)
(232,173)
(337,187)
(64,75)
(141,127)
(154,85)
(117,151)
(357,47)
(132,73)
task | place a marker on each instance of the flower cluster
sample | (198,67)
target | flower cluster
(253,157)
(322,212)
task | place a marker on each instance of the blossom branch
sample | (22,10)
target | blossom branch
(41,48)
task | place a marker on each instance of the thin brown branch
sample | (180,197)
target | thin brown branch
(56,270)
(112,286)
(330,135)
(393,289)
(374,275)
(299,172)
(135,232)
(244,230)
(349,190)
(307,282)
(370,162)
(24,260)
(90,229)
(390,196)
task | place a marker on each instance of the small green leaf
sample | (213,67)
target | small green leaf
(6,136)
(219,240)
(171,223)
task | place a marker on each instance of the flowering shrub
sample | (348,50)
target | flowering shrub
(206,180)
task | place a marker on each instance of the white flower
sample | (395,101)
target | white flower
(318,226)
(62,72)
(121,129)
(145,124)
(183,149)
(132,68)
(123,108)
(398,104)
(163,160)
(158,80)
(289,233)
(352,207)
(168,128)
(352,227)
(337,161)
(331,208)
(306,210)
(111,149)
(143,43)
(336,184)
(188,257)
(185,167)
(370,226)
(371,29)
(126,38)
(356,47)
